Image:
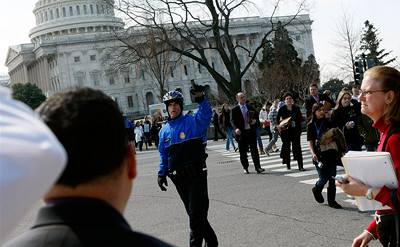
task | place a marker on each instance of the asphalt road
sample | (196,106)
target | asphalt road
(272,209)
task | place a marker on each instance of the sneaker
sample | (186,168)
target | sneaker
(261,152)
(266,151)
(246,171)
(302,169)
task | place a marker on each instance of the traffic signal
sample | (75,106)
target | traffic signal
(370,63)
(358,71)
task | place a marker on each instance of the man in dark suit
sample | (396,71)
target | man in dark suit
(316,97)
(244,121)
(85,206)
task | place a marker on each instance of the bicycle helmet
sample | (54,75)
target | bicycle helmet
(173,96)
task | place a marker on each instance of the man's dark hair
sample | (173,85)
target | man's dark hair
(287,94)
(91,128)
(314,85)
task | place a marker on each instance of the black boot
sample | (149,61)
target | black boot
(331,198)
(318,194)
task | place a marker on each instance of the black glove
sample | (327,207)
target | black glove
(162,180)
(198,92)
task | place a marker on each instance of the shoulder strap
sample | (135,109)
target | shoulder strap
(395,128)
(393,194)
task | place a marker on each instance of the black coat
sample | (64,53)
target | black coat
(310,101)
(296,115)
(82,222)
(341,116)
(237,119)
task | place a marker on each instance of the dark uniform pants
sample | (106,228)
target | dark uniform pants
(192,188)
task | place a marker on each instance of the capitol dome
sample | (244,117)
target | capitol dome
(56,18)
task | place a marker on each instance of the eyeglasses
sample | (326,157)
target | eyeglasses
(369,92)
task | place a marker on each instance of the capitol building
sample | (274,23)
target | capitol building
(72,37)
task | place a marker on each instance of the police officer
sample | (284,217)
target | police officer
(183,160)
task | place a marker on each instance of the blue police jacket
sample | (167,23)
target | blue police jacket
(181,140)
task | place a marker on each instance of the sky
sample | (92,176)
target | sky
(16,19)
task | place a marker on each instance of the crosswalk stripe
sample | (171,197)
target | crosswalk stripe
(285,169)
(279,159)
(338,190)
(273,164)
(269,159)
(309,181)
(301,174)
(351,201)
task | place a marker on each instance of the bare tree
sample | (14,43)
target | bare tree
(348,44)
(145,49)
(196,29)
(159,59)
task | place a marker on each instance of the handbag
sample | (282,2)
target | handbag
(284,124)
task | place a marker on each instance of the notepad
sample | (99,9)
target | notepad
(375,169)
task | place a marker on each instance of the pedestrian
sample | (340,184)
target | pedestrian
(265,123)
(245,121)
(316,97)
(380,100)
(327,105)
(325,155)
(139,135)
(31,159)
(346,116)
(146,132)
(273,112)
(258,130)
(85,207)
(355,90)
(155,129)
(183,160)
(130,129)
(369,134)
(226,124)
(290,135)
(217,129)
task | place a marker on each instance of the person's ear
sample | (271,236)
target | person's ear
(389,97)
(131,161)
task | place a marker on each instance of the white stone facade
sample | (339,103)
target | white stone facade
(72,38)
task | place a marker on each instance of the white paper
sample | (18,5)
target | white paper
(375,169)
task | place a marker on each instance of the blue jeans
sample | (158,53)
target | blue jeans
(274,139)
(229,138)
(260,144)
(325,174)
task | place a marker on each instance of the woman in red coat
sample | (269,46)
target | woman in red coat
(380,100)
